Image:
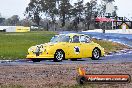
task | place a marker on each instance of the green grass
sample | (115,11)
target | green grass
(15,45)
(110,46)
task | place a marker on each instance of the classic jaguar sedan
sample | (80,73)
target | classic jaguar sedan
(71,46)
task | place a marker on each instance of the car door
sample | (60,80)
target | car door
(86,46)
(75,48)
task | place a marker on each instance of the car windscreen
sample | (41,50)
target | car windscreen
(60,38)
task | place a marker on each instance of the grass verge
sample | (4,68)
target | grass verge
(110,46)
(15,45)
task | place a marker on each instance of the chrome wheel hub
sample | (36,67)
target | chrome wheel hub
(59,55)
(96,53)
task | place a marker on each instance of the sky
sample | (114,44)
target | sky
(9,8)
(17,7)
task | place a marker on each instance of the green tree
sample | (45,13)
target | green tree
(12,21)
(38,8)
(15,19)
(77,13)
(51,11)
(64,10)
(34,10)
(78,9)
(90,13)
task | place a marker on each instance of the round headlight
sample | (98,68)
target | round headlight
(30,50)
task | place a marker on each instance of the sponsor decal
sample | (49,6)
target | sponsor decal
(102,78)
(77,50)
(39,50)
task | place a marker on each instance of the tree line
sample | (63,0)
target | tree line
(61,14)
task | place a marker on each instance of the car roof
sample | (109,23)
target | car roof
(72,34)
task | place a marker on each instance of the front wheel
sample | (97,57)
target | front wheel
(59,56)
(96,54)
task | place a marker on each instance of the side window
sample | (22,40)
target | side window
(65,39)
(82,39)
(75,39)
(85,39)
(53,39)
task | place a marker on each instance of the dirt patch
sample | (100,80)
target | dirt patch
(51,76)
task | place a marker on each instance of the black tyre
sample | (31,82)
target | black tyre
(36,60)
(96,54)
(59,56)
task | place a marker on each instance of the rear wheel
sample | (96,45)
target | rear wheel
(96,54)
(59,56)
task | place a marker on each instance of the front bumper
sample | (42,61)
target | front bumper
(40,56)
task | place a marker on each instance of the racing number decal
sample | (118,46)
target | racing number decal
(77,50)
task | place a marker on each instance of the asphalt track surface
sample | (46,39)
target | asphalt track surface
(123,56)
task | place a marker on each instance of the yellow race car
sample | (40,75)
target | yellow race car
(66,46)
